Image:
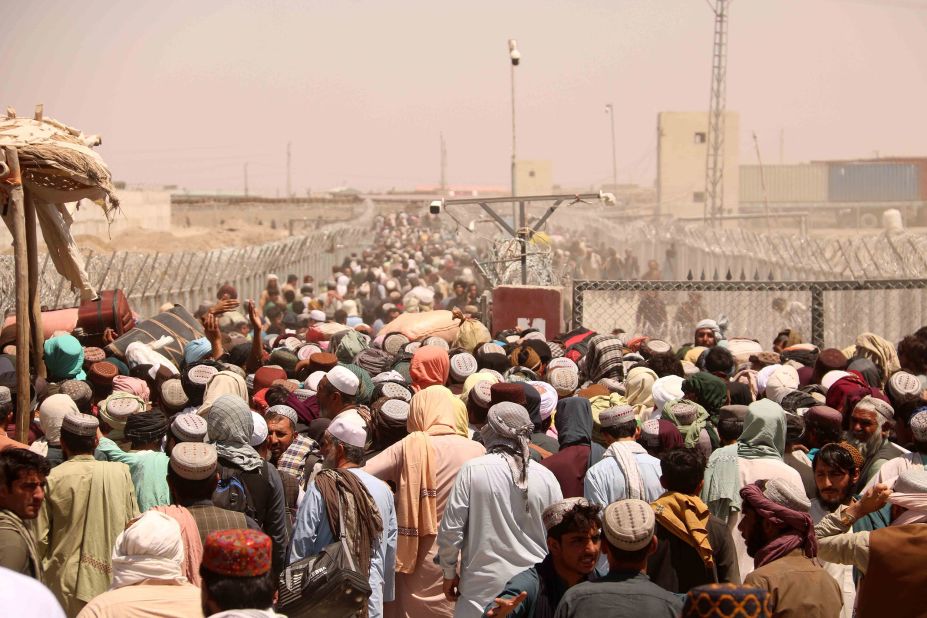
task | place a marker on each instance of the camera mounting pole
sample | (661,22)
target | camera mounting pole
(521,233)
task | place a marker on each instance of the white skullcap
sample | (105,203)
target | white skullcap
(562,362)
(918,425)
(347,429)
(259,434)
(832,376)
(284,411)
(871,403)
(763,376)
(317,315)
(194,461)
(665,389)
(312,382)
(342,379)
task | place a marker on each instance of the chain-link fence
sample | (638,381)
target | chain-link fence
(192,277)
(829,313)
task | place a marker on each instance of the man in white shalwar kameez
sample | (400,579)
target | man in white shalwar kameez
(503,494)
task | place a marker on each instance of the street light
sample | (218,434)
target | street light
(515,57)
(610,110)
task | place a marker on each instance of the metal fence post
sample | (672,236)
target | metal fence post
(817,316)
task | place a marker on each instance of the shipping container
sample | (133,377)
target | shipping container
(873,182)
(795,184)
(921,163)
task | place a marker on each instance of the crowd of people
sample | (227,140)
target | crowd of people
(459,471)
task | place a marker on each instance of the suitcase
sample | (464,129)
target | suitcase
(109,310)
(177,323)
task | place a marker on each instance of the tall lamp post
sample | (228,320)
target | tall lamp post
(515,57)
(610,110)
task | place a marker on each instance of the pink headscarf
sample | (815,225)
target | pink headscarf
(429,367)
(136,386)
(800,533)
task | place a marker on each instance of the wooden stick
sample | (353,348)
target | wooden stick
(35,299)
(21,270)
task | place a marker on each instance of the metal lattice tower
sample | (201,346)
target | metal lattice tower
(714,160)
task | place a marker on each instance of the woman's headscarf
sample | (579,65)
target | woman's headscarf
(223,383)
(431,413)
(229,425)
(639,389)
(64,358)
(51,415)
(763,437)
(430,365)
(711,390)
(151,548)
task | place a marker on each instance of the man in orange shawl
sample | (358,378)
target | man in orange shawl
(423,467)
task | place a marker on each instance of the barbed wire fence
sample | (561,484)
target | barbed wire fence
(192,277)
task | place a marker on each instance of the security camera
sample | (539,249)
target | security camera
(608,198)
(435,207)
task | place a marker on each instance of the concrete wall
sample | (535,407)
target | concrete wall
(681,162)
(148,209)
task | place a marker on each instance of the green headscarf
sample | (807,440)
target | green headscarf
(711,390)
(689,432)
(64,358)
(763,437)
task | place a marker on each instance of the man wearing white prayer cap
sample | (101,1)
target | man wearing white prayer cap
(363,505)
(337,391)
(626,591)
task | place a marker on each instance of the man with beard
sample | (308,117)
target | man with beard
(574,539)
(891,558)
(916,459)
(288,449)
(869,426)
(780,538)
(344,497)
(836,471)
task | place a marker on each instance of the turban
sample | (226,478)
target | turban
(713,325)
(151,548)
(508,431)
(146,426)
(664,390)
(783,505)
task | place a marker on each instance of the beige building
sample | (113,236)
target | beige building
(534,178)
(682,147)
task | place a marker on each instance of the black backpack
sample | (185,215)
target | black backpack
(232,492)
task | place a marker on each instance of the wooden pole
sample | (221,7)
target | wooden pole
(35,292)
(21,264)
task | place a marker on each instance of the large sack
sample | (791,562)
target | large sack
(471,335)
(176,323)
(416,326)
(52,321)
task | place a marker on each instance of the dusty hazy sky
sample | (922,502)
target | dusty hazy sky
(186,92)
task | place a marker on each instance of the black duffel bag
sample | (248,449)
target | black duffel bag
(326,585)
